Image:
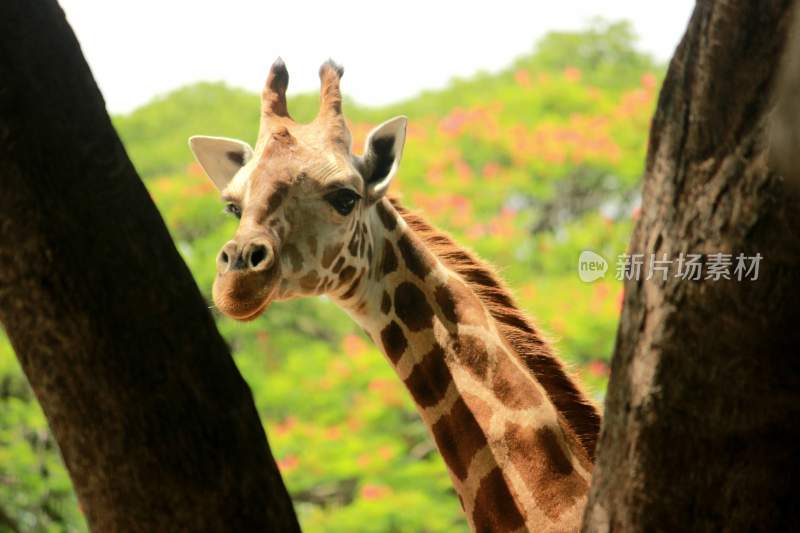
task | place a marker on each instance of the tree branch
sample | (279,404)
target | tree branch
(156,426)
(700,428)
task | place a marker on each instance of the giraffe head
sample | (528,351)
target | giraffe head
(302,198)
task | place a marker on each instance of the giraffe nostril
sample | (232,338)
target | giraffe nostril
(226,257)
(257,255)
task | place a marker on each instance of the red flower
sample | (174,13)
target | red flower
(598,368)
(375,492)
(572,74)
(288,463)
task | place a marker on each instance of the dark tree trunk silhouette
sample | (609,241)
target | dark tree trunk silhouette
(157,428)
(701,425)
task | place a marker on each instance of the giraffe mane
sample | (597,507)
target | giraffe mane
(580,414)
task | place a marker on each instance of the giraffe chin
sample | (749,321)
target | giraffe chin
(244,295)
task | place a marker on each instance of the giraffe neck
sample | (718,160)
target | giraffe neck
(513,462)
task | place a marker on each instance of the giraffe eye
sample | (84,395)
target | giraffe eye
(233,209)
(343,200)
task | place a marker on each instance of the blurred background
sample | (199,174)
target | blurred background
(527,137)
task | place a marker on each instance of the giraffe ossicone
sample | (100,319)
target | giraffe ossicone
(516,433)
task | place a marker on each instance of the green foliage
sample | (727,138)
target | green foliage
(528,167)
(35,491)
(604,53)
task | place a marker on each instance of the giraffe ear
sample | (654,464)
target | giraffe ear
(382,153)
(221,158)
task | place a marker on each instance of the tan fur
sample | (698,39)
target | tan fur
(581,415)
(515,432)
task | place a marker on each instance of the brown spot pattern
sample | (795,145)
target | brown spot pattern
(389,263)
(312,245)
(330,254)
(459,305)
(458,437)
(411,306)
(362,249)
(415,261)
(430,378)
(346,274)
(481,410)
(387,219)
(495,508)
(353,246)
(580,413)
(386,303)
(445,301)
(310,280)
(394,341)
(338,266)
(353,287)
(470,352)
(276,198)
(545,468)
(512,386)
(294,256)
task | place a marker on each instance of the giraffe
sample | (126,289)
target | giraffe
(516,433)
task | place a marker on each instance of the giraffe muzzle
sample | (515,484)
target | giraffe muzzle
(247,275)
(255,255)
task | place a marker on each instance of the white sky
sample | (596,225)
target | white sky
(391,50)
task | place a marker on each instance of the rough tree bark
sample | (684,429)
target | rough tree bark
(157,428)
(703,405)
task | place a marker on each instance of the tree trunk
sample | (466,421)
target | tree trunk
(702,412)
(157,428)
